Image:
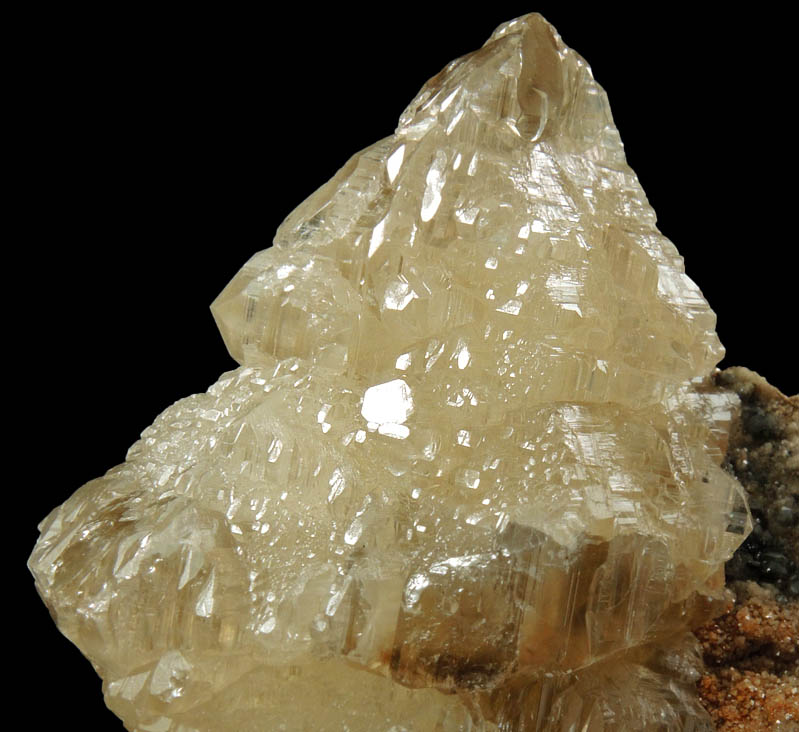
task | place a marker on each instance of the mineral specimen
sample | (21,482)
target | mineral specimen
(468,473)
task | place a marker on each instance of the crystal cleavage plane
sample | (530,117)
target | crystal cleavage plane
(467,474)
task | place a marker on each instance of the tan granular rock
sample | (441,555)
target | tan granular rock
(752,656)
(752,650)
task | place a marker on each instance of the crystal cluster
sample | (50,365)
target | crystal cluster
(467,474)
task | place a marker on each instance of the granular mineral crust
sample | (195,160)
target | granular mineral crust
(752,658)
(751,652)
(468,473)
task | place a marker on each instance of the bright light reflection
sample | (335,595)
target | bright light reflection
(388,405)
(394,162)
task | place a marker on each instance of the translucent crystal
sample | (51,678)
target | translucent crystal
(467,474)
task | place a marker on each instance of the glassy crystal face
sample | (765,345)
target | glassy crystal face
(467,474)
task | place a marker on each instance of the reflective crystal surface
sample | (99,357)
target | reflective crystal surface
(467,474)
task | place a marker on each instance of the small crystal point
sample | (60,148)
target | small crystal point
(467,473)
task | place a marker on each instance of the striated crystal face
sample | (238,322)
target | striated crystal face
(467,474)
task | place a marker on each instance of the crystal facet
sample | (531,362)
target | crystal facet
(467,475)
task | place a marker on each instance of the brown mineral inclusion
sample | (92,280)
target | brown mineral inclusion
(467,476)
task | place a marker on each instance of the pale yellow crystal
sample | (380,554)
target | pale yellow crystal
(466,476)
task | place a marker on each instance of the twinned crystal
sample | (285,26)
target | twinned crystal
(467,474)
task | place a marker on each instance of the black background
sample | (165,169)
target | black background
(161,150)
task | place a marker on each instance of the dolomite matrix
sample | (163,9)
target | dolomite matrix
(467,474)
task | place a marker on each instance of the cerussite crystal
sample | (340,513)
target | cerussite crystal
(467,474)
